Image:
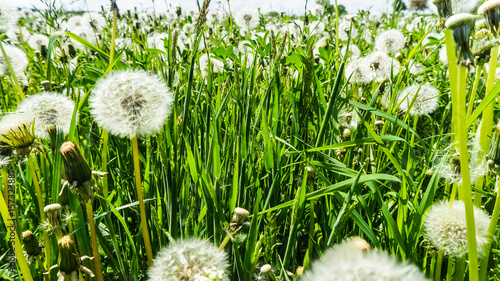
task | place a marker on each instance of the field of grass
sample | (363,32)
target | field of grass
(367,139)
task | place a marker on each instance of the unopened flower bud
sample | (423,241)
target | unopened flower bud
(31,245)
(494,153)
(347,133)
(491,12)
(45,85)
(77,170)
(68,259)
(462,26)
(267,273)
(240,215)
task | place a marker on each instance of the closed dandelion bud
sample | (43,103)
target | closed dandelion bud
(462,26)
(494,153)
(491,12)
(54,218)
(52,131)
(266,272)
(299,271)
(68,259)
(379,123)
(444,9)
(240,215)
(78,172)
(31,245)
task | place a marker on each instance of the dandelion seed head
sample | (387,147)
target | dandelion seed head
(49,108)
(8,15)
(94,20)
(382,66)
(131,103)
(36,41)
(359,71)
(390,41)
(190,260)
(17,58)
(425,99)
(344,33)
(354,51)
(416,69)
(86,33)
(464,6)
(352,260)
(75,22)
(445,227)
(247,18)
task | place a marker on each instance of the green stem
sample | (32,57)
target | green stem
(12,73)
(439,264)
(452,71)
(8,221)
(487,121)
(5,181)
(142,209)
(112,50)
(459,270)
(40,264)
(491,232)
(93,235)
(472,97)
(104,162)
(224,242)
(449,270)
(464,189)
(46,239)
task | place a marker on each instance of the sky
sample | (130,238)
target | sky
(289,6)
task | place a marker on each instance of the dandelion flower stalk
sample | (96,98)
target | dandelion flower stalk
(12,73)
(142,209)
(20,258)
(114,8)
(461,25)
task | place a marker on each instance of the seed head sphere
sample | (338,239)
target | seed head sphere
(131,103)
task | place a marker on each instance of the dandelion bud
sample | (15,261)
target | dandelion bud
(494,153)
(77,170)
(299,271)
(491,12)
(444,9)
(240,215)
(379,123)
(267,272)
(462,25)
(54,218)
(429,173)
(52,131)
(31,245)
(68,260)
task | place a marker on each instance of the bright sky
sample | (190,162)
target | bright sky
(290,6)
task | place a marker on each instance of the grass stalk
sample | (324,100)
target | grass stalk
(464,189)
(93,235)
(41,205)
(142,209)
(439,265)
(112,48)
(12,73)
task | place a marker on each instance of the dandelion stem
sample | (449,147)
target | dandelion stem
(142,209)
(439,264)
(487,121)
(224,242)
(95,249)
(46,239)
(104,162)
(40,264)
(464,189)
(12,73)
(21,260)
(452,70)
(459,270)
(483,269)
(472,97)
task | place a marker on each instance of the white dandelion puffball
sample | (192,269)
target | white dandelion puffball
(445,227)
(85,32)
(131,103)
(190,259)
(382,65)
(390,41)
(8,15)
(359,71)
(247,18)
(36,41)
(425,99)
(352,260)
(17,58)
(49,108)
